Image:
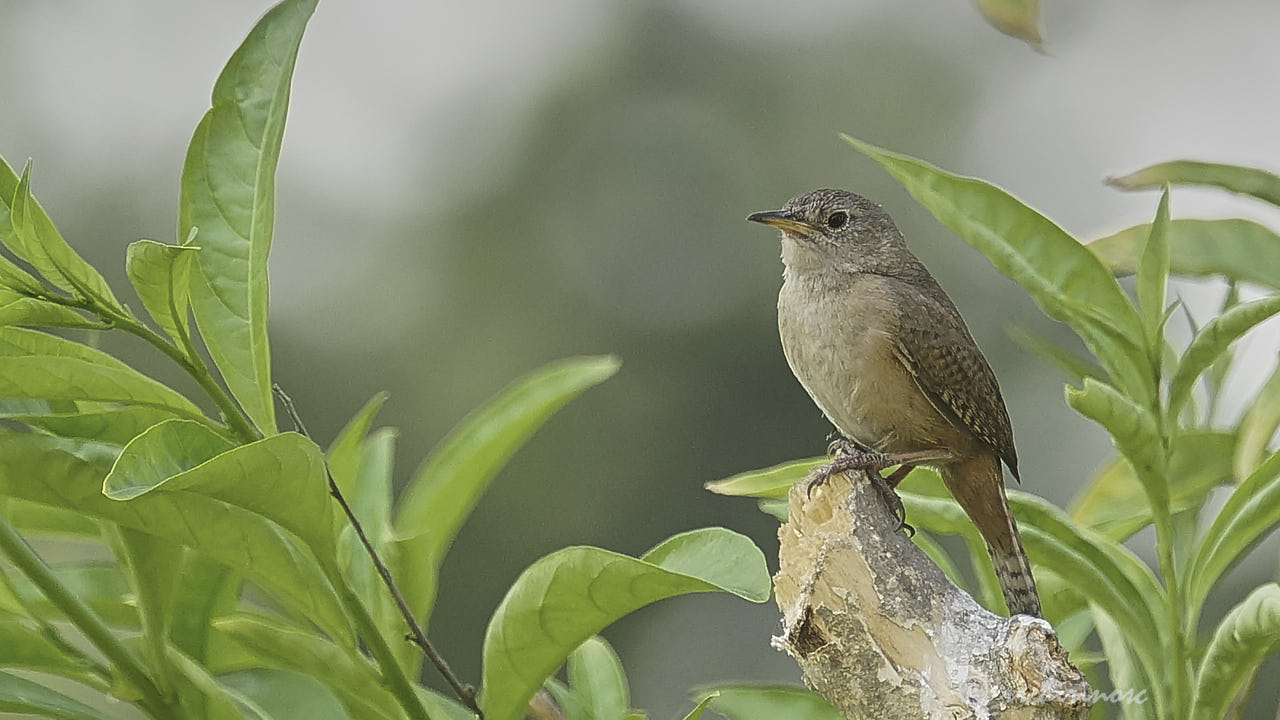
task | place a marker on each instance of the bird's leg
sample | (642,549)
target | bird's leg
(897,476)
(845,456)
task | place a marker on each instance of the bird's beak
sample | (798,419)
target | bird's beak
(784,221)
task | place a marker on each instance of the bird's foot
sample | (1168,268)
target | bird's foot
(845,456)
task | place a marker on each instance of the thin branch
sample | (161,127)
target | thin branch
(466,693)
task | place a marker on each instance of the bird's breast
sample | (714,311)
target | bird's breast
(838,340)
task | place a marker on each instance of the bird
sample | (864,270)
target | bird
(884,353)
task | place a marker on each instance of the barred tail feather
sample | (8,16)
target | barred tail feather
(977,484)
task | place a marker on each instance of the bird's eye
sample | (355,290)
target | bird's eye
(837,219)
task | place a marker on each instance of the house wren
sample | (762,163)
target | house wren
(886,356)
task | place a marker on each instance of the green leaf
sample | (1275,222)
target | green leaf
(571,594)
(1015,18)
(160,275)
(738,701)
(352,679)
(343,453)
(597,679)
(228,193)
(44,519)
(152,563)
(770,482)
(39,365)
(1212,341)
(1132,429)
(774,507)
(281,478)
(1075,367)
(1238,249)
(24,644)
(116,426)
(1248,181)
(102,586)
(1250,513)
(1114,503)
(1153,276)
(48,252)
(1067,281)
(1125,671)
(33,312)
(939,557)
(698,709)
(446,487)
(13,277)
(69,474)
(284,694)
(1241,641)
(1258,426)
(20,695)
(370,499)
(222,701)
(162,451)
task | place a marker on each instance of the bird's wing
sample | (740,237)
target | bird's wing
(935,347)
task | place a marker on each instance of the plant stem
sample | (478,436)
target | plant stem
(465,693)
(392,673)
(30,564)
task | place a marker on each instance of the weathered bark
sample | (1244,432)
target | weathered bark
(880,632)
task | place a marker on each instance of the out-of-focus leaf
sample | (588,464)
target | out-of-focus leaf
(39,243)
(596,677)
(220,701)
(1132,429)
(1238,249)
(281,478)
(69,474)
(698,709)
(1242,640)
(353,681)
(343,453)
(1067,281)
(573,593)
(770,482)
(285,694)
(1114,504)
(564,699)
(738,701)
(31,312)
(443,707)
(1258,426)
(1212,340)
(935,553)
(20,695)
(1015,18)
(228,193)
(102,586)
(1153,276)
(24,645)
(1125,671)
(1076,367)
(164,450)
(1252,511)
(152,563)
(160,275)
(370,499)
(1244,180)
(775,507)
(116,425)
(41,366)
(45,519)
(445,488)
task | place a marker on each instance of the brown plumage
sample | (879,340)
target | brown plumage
(884,353)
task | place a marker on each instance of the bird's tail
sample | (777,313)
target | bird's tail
(977,484)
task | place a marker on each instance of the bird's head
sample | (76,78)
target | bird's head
(835,230)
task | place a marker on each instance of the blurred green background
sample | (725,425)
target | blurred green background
(469,190)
